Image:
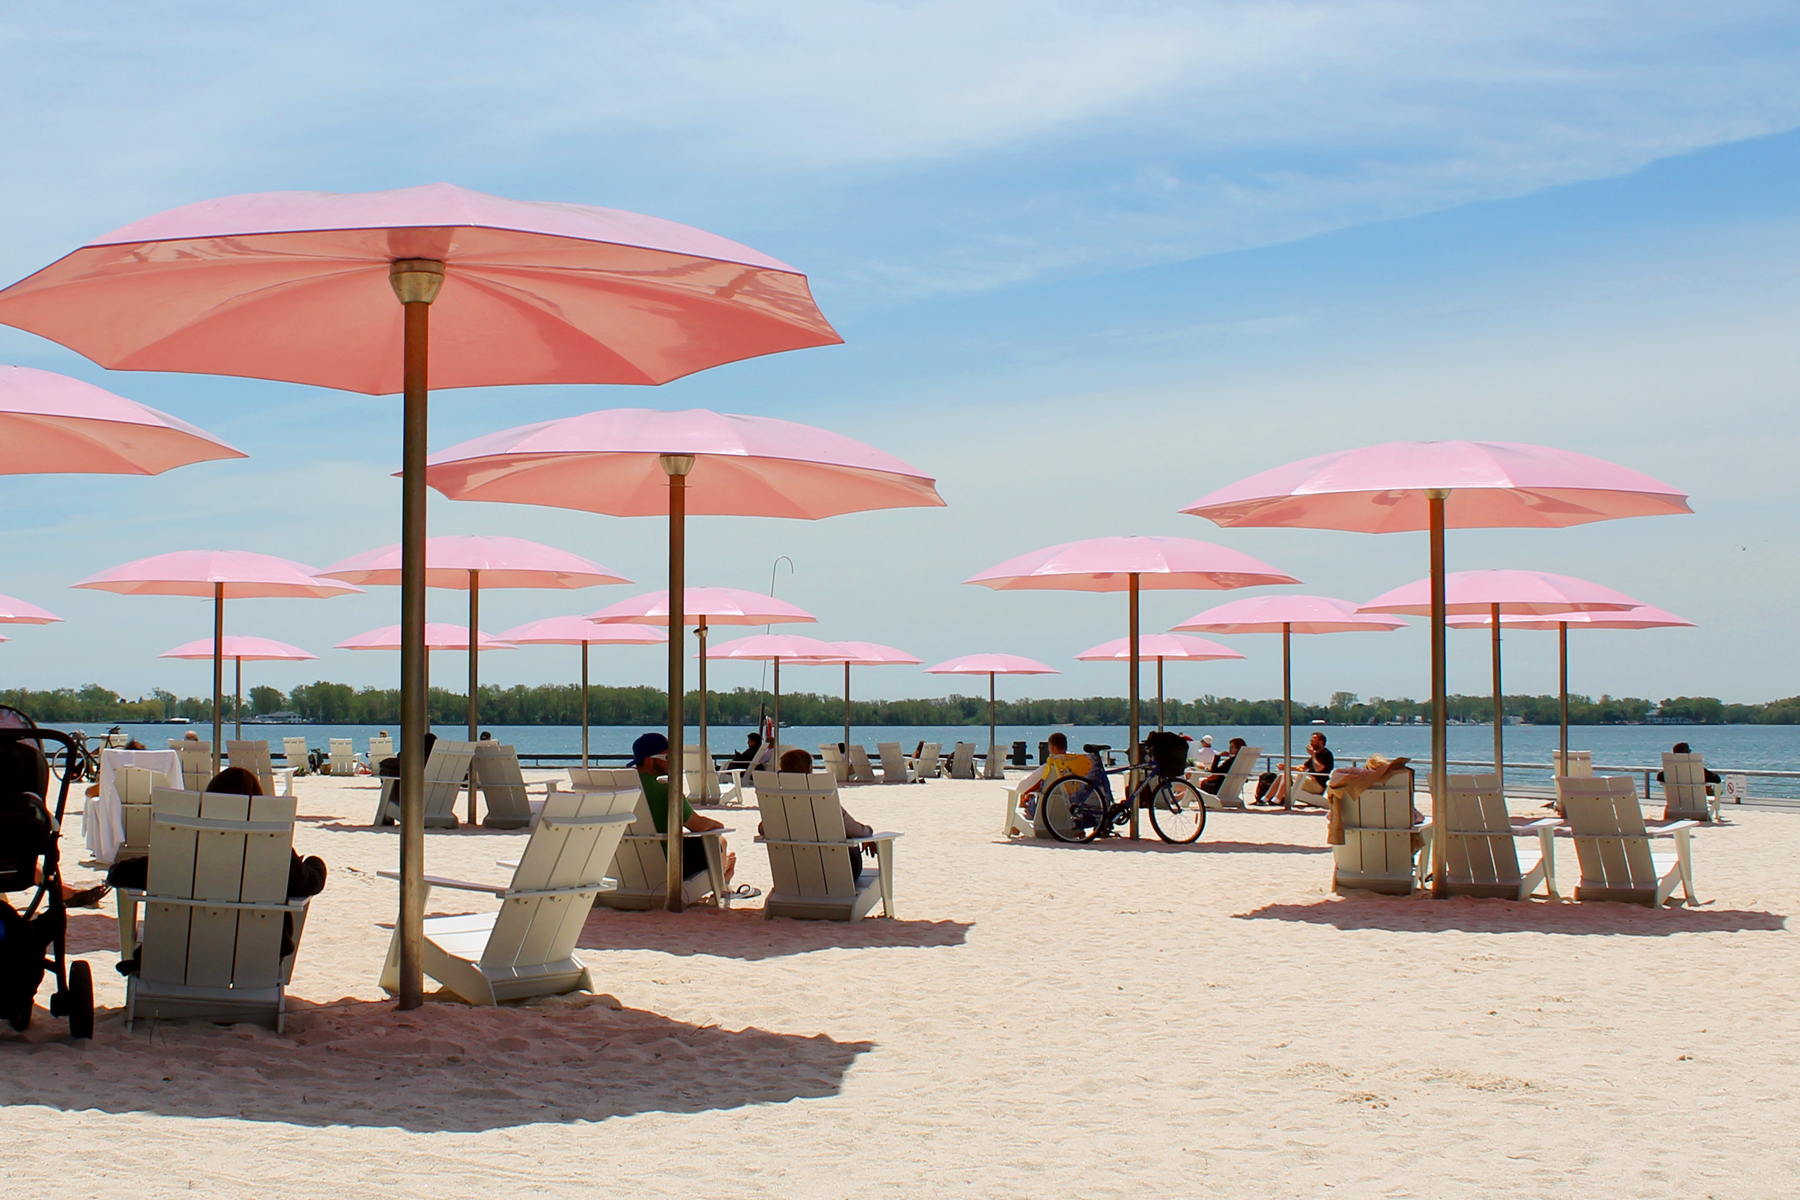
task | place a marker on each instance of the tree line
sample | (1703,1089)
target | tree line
(554,704)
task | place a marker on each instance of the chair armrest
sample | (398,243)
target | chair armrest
(873,837)
(492,889)
(1671,827)
(721,831)
(1532,828)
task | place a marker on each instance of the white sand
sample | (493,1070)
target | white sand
(1121,1020)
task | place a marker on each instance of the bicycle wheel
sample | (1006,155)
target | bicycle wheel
(1073,809)
(1177,811)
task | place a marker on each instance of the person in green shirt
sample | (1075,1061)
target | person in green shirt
(649,756)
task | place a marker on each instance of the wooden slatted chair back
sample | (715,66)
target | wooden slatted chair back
(1684,788)
(1482,848)
(1610,839)
(861,769)
(254,758)
(836,765)
(196,763)
(962,761)
(1378,834)
(134,786)
(1580,764)
(996,763)
(445,772)
(235,850)
(495,767)
(1244,769)
(552,891)
(893,763)
(927,765)
(294,750)
(343,756)
(380,748)
(805,808)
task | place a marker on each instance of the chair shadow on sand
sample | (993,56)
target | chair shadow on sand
(742,933)
(446,1067)
(1419,914)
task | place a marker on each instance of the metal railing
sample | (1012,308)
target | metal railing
(1548,787)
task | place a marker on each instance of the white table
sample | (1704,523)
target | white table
(103,824)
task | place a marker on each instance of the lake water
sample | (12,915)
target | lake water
(1727,747)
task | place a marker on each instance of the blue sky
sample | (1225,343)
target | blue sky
(1090,261)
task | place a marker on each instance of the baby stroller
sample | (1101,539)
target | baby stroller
(29,862)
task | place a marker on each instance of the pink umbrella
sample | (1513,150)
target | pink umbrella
(52,424)
(1159,646)
(993,665)
(237,649)
(1287,615)
(1643,616)
(868,654)
(773,647)
(472,562)
(17,612)
(302,286)
(579,631)
(702,607)
(1434,486)
(1496,592)
(223,575)
(1129,564)
(638,462)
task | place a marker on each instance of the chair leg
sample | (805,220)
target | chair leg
(884,854)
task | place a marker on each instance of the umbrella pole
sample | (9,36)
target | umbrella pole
(584,705)
(416,283)
(218,666)
(1132,778)
(990,766)
(705,752)
(474,663)
(1440,739)
(1562,646)
(776,756)
(676,466)
(237,705)
(846,710)
(1499,707)
(1159,694)
(1287,715)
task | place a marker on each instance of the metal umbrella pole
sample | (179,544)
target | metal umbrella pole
(1440,740)
(705,751)
(416,283)
(584,706)
(677,467)
(1562,676)
(218,667)
(1159,694)
(991,676)
(1287,714)
(237,704)
(846,710)
(1133,777)
(1499,706)
(474,665)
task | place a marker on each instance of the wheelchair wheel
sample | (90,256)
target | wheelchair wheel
(1177,811)
(79,1004)
(1074,809)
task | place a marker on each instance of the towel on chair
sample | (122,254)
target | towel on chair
(1347,783)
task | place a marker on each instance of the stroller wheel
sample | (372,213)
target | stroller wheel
(80,1000)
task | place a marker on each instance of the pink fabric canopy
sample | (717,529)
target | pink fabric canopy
(1106,564)
(1472,592)
(579,631)
(788,647)
(242,574)
(1295,614)
(52,425)
(1382,489)
(1644,616)
(720,606)
(294,286)
(992,664)
(438,636)
(248,649)
(1159,645)
(504,562)
(874,654)
(611,462)
(17,612)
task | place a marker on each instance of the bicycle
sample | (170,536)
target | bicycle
(1080,808)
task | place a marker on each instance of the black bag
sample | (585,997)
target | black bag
(1264,782)
(1169,751)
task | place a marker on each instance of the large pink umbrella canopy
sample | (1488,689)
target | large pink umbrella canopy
(579,631)
(240,649)
(439,635)
(222,575)
(1130,564)
(1644,616)
(1434,486)
(703,607)
(18,612)
(51,425)
(1161,647)
(472,562)
(992,665)
(338,290)
(774,647)
(640,462)
(1288,614)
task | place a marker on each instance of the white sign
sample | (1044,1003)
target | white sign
(1737,789)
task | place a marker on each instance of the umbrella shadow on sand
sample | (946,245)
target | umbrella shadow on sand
(743,934)
(1151,844)
(447,1067)
(1400,914)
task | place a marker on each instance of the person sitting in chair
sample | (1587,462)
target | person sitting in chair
(1312,775)
(649,757)
(750,753)
(799,762)
(1222,766)
(1711,777)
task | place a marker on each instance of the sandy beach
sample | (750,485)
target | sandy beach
(1041,1020)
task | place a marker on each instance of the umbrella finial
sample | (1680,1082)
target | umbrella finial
(675,465)
(416,280)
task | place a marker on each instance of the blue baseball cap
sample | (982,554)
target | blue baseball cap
(648,745)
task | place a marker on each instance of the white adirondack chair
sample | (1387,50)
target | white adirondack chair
(861,769)
(836,765)
(1231,790)
(926,765)
(527,948)
(1377,854)
(962,761)
(196,763)
(495,768)
(1613,844)
(995,767)
(134,786)
(1485,858)
(895,766)
(1580,764)
(214,903)
(343,757)
(254,757)
(445,771)
(706,784)
(1017,822)
(380,748)
(294,750)
(640,868)
(809,854)
(1685,789)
